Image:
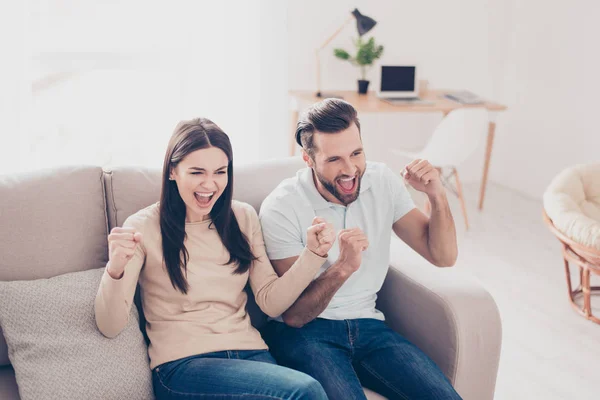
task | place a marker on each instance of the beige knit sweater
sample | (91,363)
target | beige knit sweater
(212,315)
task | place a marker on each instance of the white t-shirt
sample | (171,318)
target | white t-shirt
(288,211)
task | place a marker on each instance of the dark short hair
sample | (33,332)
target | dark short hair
(326,116)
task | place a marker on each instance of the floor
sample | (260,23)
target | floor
(549,352)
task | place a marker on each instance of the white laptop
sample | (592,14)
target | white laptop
(399,84)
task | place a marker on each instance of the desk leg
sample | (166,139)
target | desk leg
(486,165)
(293,123)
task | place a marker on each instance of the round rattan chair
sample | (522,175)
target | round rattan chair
(572,212)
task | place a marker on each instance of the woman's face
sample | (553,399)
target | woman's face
(201,178)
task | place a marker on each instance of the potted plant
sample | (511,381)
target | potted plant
(367,52)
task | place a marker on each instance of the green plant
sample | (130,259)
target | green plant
(367,52)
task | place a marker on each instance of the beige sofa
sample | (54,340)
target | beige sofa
(56,221)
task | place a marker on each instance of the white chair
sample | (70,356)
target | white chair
(452,142)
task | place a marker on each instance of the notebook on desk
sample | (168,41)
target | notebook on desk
(464,97)
(412,101)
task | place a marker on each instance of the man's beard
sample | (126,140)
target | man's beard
(331,187)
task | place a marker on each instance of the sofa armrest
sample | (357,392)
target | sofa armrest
(450,316)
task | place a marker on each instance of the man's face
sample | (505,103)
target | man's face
(339,164)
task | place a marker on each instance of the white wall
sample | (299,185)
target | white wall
(273,100)
(551,84)
(449,41)
(14,83)
(536,57)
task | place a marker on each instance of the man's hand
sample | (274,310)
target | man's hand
(352,243)
(314,300)
(424,177)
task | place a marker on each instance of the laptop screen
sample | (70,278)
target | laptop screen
(397,79)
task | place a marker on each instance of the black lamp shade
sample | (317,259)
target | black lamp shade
(363,23)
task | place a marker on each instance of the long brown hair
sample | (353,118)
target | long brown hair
(188,137)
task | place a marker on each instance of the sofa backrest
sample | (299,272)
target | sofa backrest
(51,222)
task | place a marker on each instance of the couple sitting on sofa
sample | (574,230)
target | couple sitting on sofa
(315,261)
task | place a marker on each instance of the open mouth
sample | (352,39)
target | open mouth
(347,185)
(204,198)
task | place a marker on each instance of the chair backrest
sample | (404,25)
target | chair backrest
(456,137)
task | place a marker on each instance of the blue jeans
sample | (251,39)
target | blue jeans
(348,354)
(224,375)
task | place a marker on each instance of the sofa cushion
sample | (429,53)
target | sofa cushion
(53,222)
(128,190)
(253,182)
(56,349)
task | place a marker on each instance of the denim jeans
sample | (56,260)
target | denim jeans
(224,375)
(348,354)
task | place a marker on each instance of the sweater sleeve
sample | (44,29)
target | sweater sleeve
(115,296)
(274,294)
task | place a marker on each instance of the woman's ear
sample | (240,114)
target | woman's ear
(171,174)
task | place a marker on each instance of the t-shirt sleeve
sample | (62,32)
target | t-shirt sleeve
(402,202)
(281,230)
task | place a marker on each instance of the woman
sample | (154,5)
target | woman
(193,254)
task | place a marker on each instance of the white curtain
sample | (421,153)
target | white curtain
(14,82)
(110,80)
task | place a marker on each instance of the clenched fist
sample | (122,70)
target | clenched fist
(424,177)
(122,243)
(352,243)
(320,236)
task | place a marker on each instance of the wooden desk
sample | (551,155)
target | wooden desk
(369,103)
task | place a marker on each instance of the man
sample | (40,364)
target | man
(333,331)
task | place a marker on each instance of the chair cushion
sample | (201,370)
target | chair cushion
(56,349)
(572,201)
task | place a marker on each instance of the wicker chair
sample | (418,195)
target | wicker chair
(572,212)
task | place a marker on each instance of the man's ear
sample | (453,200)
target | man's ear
(309,162)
